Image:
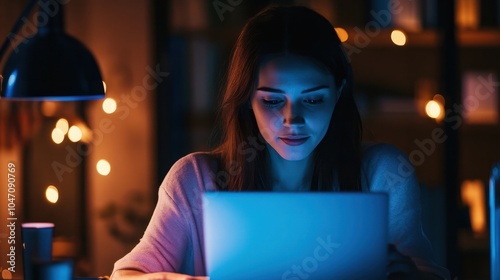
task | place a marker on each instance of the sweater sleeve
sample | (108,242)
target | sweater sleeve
(388,170)
(172,240)
(164,242)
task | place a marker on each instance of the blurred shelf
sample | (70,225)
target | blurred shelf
(361,38)
(479,38)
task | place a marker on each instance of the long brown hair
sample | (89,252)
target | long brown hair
(242,154)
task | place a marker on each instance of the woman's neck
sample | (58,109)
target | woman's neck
(287,175)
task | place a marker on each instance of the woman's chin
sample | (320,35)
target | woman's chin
(293,156)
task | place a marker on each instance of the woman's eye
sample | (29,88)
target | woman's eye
(272,102)
(314,101)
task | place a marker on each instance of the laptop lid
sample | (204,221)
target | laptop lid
(270,235)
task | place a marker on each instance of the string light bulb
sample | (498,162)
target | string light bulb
(103,167)
(398,37)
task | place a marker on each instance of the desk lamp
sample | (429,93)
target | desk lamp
(49,65)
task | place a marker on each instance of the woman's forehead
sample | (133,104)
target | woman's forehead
(286,68)
(291,59)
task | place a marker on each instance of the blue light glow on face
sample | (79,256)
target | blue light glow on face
(293,104)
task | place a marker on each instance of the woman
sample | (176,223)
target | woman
(289,123)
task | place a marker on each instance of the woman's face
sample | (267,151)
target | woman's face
(293,104)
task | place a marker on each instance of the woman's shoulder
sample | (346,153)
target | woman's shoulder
(196,168)
(385,164)
(378,149)
(383,153)
(196,161)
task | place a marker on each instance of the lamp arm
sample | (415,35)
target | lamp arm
(19,23)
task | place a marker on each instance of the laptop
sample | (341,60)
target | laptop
(292,236)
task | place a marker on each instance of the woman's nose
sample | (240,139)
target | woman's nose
(292,114)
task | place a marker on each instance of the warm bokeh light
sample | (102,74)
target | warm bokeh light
(57,135)
(109,105)
(63,125)
(467,14)
(398,37)
(342,33)
(52,194)
(472,193)
(439,99)
(103,167)
(104,86)
(433,109)
(6,274)
(83,129)
(75,133)
(49,108)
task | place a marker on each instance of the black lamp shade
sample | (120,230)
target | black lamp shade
(51,66)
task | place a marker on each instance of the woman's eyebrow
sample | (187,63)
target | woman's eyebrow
(270,89)
(315,88)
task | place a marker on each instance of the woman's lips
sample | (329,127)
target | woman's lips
(294,140)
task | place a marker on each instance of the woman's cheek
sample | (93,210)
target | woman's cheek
(273,118)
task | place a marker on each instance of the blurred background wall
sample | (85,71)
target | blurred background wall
(163,63)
